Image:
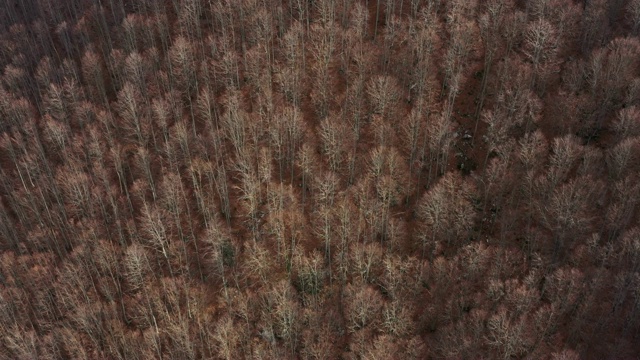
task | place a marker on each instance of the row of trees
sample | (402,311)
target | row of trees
(328,179)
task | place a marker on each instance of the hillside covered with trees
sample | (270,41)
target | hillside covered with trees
(319,179)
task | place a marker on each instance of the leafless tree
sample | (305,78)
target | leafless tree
(622,157)
(412,131)
(567,212)
(286,131)
(438,138)
(76,187)
(490,27)
(627,121)
(93,76)
(133,113)
(541,44)
(56,103)
(565,153)
(307,161)
(507,334)
(290,76)
(633,14)
(189,18)
(250,197)
(595,31)
(286,314)
(234,123)
(227,338)
(363,304)
(335,140)
(21,342)
(310,273)
(446,210)
(56,133)
(157,233)
(366,261)
(383,92)
(609,72)
(322,47)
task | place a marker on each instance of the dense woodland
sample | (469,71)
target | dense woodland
(319,179)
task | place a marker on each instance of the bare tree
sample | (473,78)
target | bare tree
(595,30)
(21,342)
(567,212)
(137,267)
(322,47)
(307,161)
(497,134)
(541,42)
(627,121)
(189,18)
(438,138)
(397,319)
(565,153)
(259,263)
(622,157)
(76,187)
(363,304)
(234,123)
(318,343)
(490,24)
(633,14)
(183,68)
(366,261)
(174,199)
(446,210)
(250,197)
(154,226)
(226,65)
(412,131)
(227,338)
(201,172)
(507,334)
(286,131)
(57,104)
(286,314)
(221,251)
(93,76)
(290,77)
(390,175)
(461,31)
(56,133)
(620,211)
(135,71)
(609,72)
(423,46)
(310,273)
(133,113)
(383,92)
(144,160)
(335,140)
(207,108)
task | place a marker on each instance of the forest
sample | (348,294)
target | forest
(320,179)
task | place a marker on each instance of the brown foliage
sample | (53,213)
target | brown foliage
(246,179)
